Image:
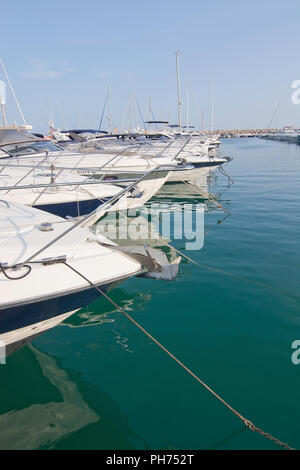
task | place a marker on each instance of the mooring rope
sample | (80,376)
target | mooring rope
(247,422)
(223,172)
(227,273)
(208,197)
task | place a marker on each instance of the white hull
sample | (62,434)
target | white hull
(190,175)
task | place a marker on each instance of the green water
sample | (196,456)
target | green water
(95,382)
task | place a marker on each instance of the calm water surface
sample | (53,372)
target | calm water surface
(95,382)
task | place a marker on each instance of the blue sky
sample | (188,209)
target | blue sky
(61,55)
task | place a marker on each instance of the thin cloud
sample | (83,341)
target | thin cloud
(41,70)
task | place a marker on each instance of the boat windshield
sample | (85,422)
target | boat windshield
(29,148)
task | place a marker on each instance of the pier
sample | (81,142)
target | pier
(242,132)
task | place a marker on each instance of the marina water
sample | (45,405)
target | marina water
(95,382)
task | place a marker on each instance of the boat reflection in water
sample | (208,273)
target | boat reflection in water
(199,189)
(172,193)
(61,405)
(20,337)
(58,409)
(63,409)
(100,311)
(37,248)
(97,313)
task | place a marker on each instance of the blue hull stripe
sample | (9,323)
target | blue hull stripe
(20,316)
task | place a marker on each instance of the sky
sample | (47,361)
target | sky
(62,55)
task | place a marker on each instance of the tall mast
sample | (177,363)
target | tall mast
(134,109)
(202,120)
(178,91)
(129,112)
(212,103)
(187,106)
(14,95)
(108,109)
(276,111)
(149,113)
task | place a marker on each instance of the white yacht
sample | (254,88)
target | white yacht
(71,195)
(48,266)
(63,191)
(115,165)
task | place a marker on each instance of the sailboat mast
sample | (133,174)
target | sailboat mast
(134,109)
(187,106)
(212,104)
(13,92)
(108,110)
(178,91)
(129,112)
(149,113)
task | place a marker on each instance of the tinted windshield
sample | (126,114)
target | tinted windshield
(27,148)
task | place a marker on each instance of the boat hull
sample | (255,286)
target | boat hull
(17,339)
(200,170)
(31,313)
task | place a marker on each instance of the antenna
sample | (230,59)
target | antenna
(14,95)
(179,103)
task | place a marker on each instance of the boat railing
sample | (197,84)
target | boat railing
(89,219)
